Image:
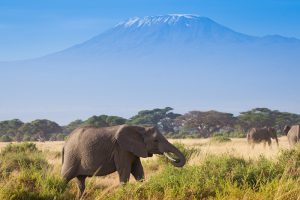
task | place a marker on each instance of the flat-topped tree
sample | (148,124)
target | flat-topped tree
(163,118)
(264,117)
(204,124)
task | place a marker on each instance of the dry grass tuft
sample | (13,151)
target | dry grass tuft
(101,187)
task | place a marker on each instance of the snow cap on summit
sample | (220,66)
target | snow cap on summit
(160,19)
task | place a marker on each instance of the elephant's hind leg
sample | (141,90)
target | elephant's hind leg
(270,143)
(69,170)
(81,184)
(264,143)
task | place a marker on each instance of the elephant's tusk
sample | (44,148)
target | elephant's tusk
(170,158)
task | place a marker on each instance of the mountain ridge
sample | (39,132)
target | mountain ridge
(153,32)
(163,34)
(199,66)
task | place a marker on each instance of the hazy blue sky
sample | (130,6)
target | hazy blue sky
(33,28)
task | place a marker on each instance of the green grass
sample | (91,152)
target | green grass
(222,177)
(220,139)
(26,174)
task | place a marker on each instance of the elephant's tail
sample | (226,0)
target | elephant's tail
(62,155)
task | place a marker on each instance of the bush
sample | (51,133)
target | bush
(261,172)
(5,138)
(15,157)
(237,134)
(181,135)
(26,174)
(220,139)
(20,148)
(33,183)
(26,138)
(289,160)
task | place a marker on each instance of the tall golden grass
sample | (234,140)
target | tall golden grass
(107,184)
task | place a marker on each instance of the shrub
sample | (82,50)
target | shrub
(261,172)
(15,157)
(5,138)
(237,134)
(181,135)
(220,139)
(32,183)
(60,137)
(20,148)
(26,174)
(289,160)
(26,138)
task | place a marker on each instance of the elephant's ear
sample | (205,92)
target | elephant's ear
(131,138)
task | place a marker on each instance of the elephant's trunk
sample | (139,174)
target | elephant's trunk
(177,162)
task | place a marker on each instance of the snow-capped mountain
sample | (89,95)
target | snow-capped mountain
(156,32)
(183,61)
(173,40)
(185,28)
(176,37)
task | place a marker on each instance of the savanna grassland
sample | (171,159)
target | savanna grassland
(216,169)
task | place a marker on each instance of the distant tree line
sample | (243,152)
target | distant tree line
(191,124)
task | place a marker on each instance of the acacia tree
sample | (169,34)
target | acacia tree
(41,128)
(204,124)
(264,117)
(10,128)
(162,118)
(72,126)
(258,117)
(104,121)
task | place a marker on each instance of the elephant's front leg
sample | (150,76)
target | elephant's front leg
(124,174)
(124,162)
(137,170)
(269,143)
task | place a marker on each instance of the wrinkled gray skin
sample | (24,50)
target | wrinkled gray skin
(293,134)
(93,151)
(258,135)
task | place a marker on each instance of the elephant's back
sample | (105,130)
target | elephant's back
(253,133)
(91,133)
(258,134)
(89,138)
(92,146)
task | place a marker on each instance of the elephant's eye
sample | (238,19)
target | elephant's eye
(155,140)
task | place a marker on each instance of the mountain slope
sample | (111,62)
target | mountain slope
(183,61)
(174,36)
(149,32)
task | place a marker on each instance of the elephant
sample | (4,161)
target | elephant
(293,134)
(91,151)
(257,135)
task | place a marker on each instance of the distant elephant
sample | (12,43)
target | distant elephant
(257,135)
(293,134)
(91,151)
